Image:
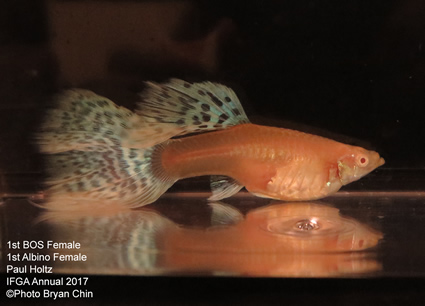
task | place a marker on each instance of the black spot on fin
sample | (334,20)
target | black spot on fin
(90,157)
(84,121)
(127,177)
(190,107)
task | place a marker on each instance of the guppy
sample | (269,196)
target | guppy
(100,152)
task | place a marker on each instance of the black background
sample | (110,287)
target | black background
(351,67)
(354,68)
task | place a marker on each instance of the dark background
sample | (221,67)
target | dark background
(350,69)
(353,70)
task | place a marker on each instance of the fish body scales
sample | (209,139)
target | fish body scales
(222,152)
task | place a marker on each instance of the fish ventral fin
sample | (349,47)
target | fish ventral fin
(179,107)
(223,214)
(223,187)
(87,161)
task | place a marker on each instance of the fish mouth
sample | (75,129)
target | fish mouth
(381,161)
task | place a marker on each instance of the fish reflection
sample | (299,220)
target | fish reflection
(291,239)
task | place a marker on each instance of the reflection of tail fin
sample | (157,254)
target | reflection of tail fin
(128,240)
(138,228)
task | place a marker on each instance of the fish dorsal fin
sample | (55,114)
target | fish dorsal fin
(179,107)
(223,187)
(223,214)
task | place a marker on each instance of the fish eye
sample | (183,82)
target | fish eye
(362,160)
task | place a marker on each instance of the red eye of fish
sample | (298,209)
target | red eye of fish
(362,161)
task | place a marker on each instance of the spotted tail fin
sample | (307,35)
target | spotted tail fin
(87,161)
(100,152)
(83,120)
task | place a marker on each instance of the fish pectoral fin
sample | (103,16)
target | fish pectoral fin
(223,214)
(223,187)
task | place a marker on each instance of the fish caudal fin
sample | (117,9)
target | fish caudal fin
(82,120)
(130,177)
(102,153)
(87,161)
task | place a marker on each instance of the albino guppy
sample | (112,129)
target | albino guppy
(104,153)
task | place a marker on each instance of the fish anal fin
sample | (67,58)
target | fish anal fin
(223,187)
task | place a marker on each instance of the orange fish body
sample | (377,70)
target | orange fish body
(270,162)
(105,153)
